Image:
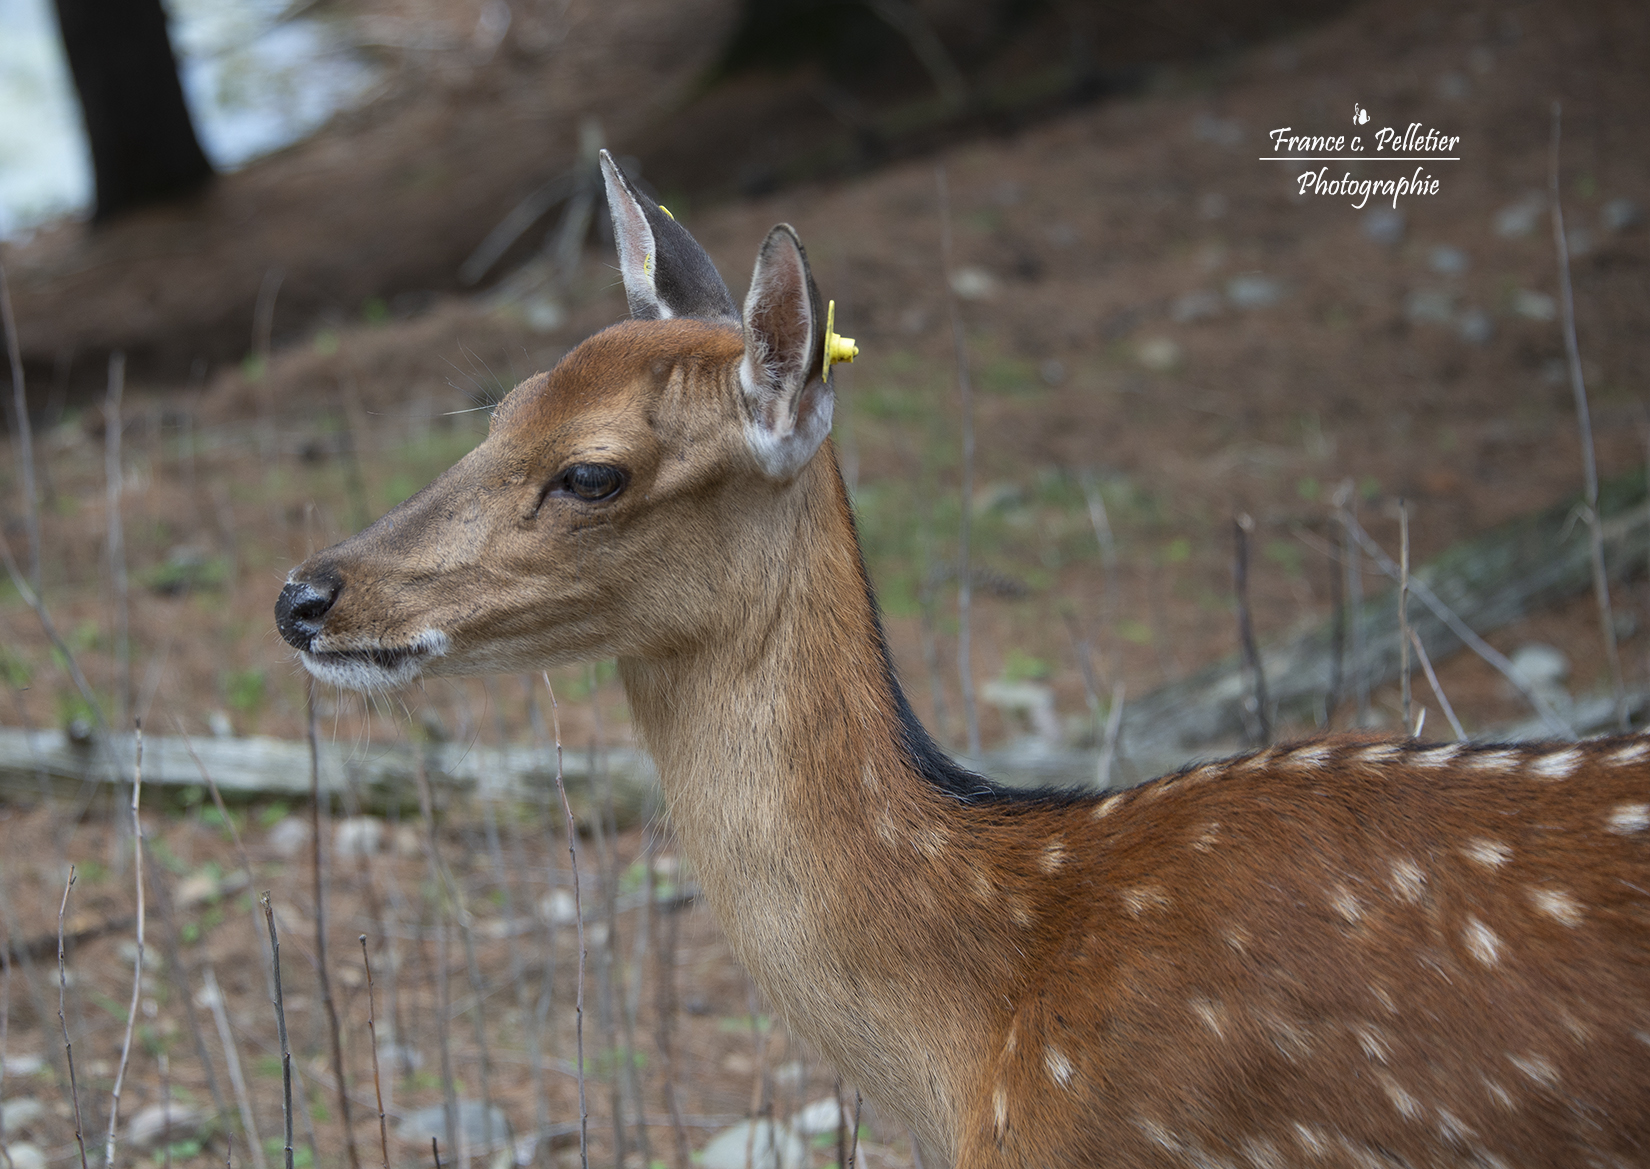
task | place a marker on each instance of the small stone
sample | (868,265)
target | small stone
(1476,326)
(1621,214)
(1159,354)
(1034,700)
(288,837)
(26,1156)
(1541,666)
(355,837)
(21,1112)
(160,1124)
(559,907)
(220,725)
(765,1145)
(24,1064)
(822,1116)
(973,283)
(1201,305)
(1447,261)
(407,841)
(1430,306)
(1537,306)
(421,1124)
(128,952)
(1385,226)
(1253,290)
(200,885)
(1520,218)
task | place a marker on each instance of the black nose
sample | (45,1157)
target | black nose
(302,607)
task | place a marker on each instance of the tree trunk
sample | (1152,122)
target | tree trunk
(143,144)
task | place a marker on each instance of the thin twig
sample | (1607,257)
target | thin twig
(1578,386)
(1437,690)
(1241,527)
(280,1029)
(1403,609)
(24,432)
(62,990)
(137,962)
(449,1092)
(114,481)
(372,1033)
(1346,504)
(1108,745)
(232,1058)
(1462,630)
(578,914)
(333,1030)
(965,399)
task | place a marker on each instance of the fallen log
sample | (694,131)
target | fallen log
(369,777)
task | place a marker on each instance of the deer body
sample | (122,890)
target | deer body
(1340,953)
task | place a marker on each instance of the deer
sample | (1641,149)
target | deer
(1348,951)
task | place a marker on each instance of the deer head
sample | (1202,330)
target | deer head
(579,528)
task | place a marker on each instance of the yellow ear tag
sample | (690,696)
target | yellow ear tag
(666,210)
(837,348)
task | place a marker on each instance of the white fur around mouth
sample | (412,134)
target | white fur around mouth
(375,667)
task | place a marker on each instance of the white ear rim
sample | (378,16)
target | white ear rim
(637,247)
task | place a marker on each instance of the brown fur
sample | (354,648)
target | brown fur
(1343,953)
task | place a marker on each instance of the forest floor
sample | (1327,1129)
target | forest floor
(1150,313)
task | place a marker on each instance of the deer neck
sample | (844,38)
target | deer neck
(838,870)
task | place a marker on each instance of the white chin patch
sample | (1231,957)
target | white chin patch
(376,667)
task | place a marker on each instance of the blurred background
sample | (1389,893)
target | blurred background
(269,264)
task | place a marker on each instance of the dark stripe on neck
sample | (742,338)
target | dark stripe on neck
(926,758)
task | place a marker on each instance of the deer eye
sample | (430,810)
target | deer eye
(593,482)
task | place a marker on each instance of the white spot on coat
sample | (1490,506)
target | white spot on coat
(1311,1139)
(1053,855)
(1408,881)
(1481,942)
(1558,905)
(999,1110)
(1630,754)
(1436,756)
(1452,1128)
(1373,1042)
(1058,1066)
(1629,818)
(1492,854)
(1106,806)
(1558,764)
(1212,1014)
(1408,1106)
(1500,1095)
(1342,901)
(1312,756)
(1493,761)
(1208,837)
(1143,898)
(1379,753)
(1537,1068)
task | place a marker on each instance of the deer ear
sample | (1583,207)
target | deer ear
(788,400)
(666,272)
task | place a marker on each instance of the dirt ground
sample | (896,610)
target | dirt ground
(1149,308)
